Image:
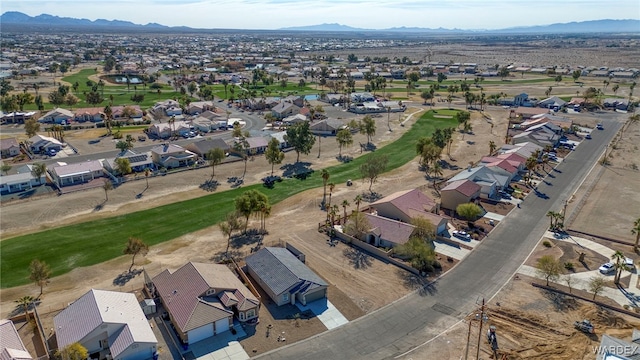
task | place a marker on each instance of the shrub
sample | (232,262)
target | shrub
(546,243)
(117,135)
(569,266)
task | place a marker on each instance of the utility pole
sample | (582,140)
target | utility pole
(482,317)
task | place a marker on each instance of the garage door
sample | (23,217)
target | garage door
(200,333)
(442,228)
(316,295)
(222,326)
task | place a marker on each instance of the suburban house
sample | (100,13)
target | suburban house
(387,233)
(458,192)
(211,115)
(362,97)
(527,112)
(518,100)
(284,277)
(11,345)
(615,104)
(202,147)
(57,116)
(489,181)
(294,119)
(198,107)
(503,167)
(138,162)
(16,117)
(513,159)
(331,98)
(523,150)
(280,136)
(165,130)
(168,107)
(205,125)
(560,121)
(542,134)
(406,205)
(554,103)
(9,148)
(172,156)
(202,299)
(42,144)
(77,173)
(296,100)
(613,348)
(88,114)
(326,127)
(109,324)
(132,112)
(285,109)
(23,180)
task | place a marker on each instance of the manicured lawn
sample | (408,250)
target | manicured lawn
(93,242)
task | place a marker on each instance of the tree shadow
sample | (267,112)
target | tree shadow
(344,158)
(99,206)
(371,196)
(19,309)
(299,170)
(222,256)
(447,165)
(210,185)
(126,276)
(252,236)
(357,258)
(368,147)
(423,285)
(27,194)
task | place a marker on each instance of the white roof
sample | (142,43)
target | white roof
(98,307)
(77,168)
(37,138)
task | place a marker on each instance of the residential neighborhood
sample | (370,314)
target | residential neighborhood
(281,194)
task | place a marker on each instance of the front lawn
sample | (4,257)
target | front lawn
(93,242)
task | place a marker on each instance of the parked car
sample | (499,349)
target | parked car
(588,137)
(52,152)
(607,268)
(504,195)
(461,235)
(599,126)
(629,263)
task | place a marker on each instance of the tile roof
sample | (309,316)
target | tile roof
(77,168)
(408,199)
(504,165)
(390,230)
(8,143)
(168,149)
(183,293)
(280,270)
(201,147)
(97,307)
(464,186)
(11,346)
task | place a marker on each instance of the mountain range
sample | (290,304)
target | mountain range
(593,26)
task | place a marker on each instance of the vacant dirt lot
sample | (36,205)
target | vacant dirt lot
(613,192)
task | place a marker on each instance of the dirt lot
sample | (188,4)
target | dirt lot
(620,211)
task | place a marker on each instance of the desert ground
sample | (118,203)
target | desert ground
(353,288)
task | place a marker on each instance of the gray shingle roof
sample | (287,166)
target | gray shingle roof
(280,270)
(11,346)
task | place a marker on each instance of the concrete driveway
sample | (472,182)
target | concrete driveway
(326,312)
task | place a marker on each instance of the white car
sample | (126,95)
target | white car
(629,263)
(461,235)
(607,268)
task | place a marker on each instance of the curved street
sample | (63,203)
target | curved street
(399,328)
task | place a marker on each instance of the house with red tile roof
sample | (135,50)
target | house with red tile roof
(408,204)
(202,299)
(387,233)
(459,192)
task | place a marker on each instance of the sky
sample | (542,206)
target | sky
(368,14)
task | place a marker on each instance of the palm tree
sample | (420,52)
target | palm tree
(551,215)
(436,172)
(345,203)
(636,231)
(492,146)
(25,302)
(38,170)
(106,187)
(325,178)
(331,187)
(357,200)
(619,265)
(147,172)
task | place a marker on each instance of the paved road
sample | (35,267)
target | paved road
(397,329)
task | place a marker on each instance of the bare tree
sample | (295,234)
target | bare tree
(596,285)
(134,247)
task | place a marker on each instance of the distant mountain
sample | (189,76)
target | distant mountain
(592,26)
(14,17)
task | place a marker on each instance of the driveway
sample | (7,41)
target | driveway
(326,312)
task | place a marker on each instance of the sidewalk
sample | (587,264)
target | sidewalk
(580,280)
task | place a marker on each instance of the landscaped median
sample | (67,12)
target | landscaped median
(93,242)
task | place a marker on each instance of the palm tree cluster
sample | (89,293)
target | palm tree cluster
(253,202)
(555,220)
